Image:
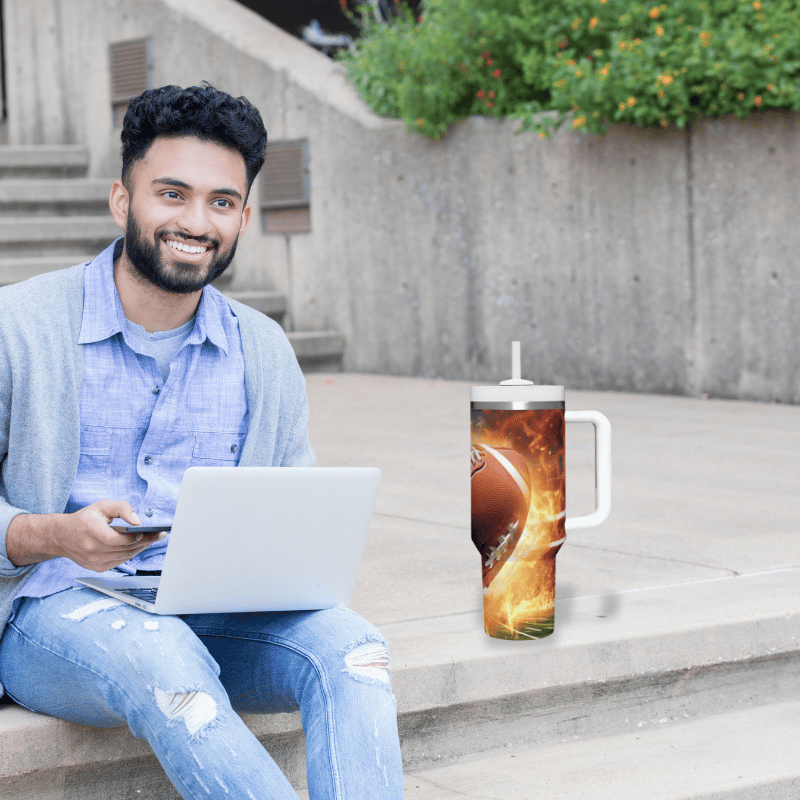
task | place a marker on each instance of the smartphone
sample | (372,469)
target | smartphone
(141,528)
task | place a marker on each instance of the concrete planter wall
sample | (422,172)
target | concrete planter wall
(645,260)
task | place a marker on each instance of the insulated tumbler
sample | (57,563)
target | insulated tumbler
(519,498)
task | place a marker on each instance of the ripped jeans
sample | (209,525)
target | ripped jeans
(175,681)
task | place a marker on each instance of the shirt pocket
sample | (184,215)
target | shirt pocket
(217,449)
(95,450)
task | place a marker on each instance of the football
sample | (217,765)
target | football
(501,498)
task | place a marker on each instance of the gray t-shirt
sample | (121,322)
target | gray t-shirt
(162,345)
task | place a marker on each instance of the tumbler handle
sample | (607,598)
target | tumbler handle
(602,468)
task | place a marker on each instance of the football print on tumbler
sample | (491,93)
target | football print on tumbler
(518,515)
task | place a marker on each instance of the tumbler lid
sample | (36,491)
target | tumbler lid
(517,393)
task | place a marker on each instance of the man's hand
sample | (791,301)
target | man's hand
(83,537)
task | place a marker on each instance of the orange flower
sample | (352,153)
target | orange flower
(631,101)
(654,13)
(489,62)
(420,122)
(593,22)
(740,96)
(497,73)
(705,38)
(492,95)
(480,94)
(757,6)
(489,104)
(757,101)
(659,30)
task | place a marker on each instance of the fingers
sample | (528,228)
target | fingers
(94,544)
(126,542)
(116,509)
(116,554)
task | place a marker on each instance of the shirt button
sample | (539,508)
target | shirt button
(234,448)
(148,512)
(156,390)
(148,459)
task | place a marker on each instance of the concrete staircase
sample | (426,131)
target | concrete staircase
(497,721)
(51,217)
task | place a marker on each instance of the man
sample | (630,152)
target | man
(116,376)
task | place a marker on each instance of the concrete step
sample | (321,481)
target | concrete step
(273,304)
(56,235)
(645,663)
(318,351)
(54,196)
(20,268)
(749,754)
(54,161)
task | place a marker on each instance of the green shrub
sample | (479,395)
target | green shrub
(590,61)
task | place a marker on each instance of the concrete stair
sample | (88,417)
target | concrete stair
(739,755)
(52,216)
(608,709)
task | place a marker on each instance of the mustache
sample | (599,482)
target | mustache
(182,236)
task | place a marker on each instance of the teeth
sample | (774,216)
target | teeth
(185,248)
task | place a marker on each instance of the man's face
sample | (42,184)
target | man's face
(184,209)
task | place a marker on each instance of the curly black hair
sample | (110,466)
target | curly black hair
(201,111)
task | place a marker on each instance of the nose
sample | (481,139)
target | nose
(193,220)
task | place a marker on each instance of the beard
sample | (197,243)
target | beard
(176,278)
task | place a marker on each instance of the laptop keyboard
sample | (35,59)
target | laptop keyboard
(148,595)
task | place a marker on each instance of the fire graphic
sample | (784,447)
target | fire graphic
(519,597)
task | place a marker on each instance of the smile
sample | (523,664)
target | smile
(185,248)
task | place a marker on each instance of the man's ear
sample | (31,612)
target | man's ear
(118,202)
(245,219)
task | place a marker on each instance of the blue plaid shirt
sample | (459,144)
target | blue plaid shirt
(139,434)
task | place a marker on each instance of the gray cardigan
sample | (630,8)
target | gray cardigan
(41,373)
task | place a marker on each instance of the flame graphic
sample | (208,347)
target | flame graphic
(519,602)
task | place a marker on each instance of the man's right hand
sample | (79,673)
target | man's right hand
(83,536)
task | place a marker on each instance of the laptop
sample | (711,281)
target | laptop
(258,539)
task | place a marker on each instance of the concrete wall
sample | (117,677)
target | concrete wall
(645,260)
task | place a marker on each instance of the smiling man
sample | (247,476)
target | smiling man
(115,377)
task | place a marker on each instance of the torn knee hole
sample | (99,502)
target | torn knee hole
(369,660)
(196,709)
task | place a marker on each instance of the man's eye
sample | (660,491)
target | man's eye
(173,195)
(223,202)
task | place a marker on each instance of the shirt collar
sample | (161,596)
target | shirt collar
(103,316)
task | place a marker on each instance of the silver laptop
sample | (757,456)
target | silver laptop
(259,539)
